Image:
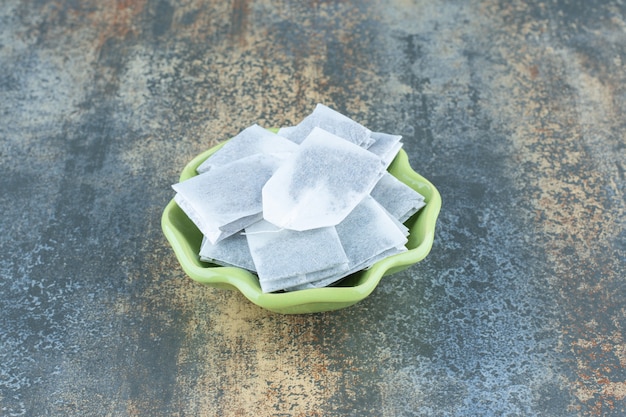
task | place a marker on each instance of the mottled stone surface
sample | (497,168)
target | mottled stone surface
(516,110)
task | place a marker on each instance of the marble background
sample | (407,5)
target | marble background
(515,110)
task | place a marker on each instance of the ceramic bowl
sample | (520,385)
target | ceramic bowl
(185,239)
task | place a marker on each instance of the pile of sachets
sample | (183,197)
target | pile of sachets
(302,208)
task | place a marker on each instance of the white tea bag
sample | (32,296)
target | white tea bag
(319,283)
(221,197)
(369,234)
(286,131)
(321,183)
(288,255)
(231,251)
(310,280)
(386,146)
(400,200)
(332,121)
(250,141)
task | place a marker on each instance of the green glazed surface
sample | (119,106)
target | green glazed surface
(185,239)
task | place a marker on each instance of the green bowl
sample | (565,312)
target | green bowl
(185,239)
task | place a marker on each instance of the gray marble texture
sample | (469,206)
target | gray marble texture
(515,110)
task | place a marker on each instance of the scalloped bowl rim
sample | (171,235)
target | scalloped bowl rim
(185,240)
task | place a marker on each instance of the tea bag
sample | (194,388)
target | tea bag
(250,141)
(400,200)
(386,146)
(202,225)
(224,200)
(331,121)
(287,258)
(231,251)
(287,131)
(405,230)
(321,183)
(369,234)
(310,280)
(323,282)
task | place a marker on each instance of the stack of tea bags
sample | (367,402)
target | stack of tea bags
(302,208)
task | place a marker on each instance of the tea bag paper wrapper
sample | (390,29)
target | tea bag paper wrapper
(386,146)
(368,234)
(324,282)
(310,280)
(231,251)
(281,254)
(400,200)
(303,208)
(332,121)
(250,141)
(287,131)
(321,184)
(239,224)
(221,197)
(215,235)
